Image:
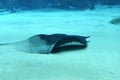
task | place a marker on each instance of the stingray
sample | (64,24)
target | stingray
(43,43)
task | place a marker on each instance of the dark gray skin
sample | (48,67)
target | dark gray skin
(53,43)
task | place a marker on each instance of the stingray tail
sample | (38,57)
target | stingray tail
(4,44)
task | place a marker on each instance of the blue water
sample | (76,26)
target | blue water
(21,19)
(18,5)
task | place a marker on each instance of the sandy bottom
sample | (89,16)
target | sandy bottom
(99,61)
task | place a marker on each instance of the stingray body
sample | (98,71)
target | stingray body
(53,43)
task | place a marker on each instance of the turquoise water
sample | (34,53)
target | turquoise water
(99,61)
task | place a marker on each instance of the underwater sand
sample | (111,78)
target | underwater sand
(99,61)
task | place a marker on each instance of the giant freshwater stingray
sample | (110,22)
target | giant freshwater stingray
(43,43)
